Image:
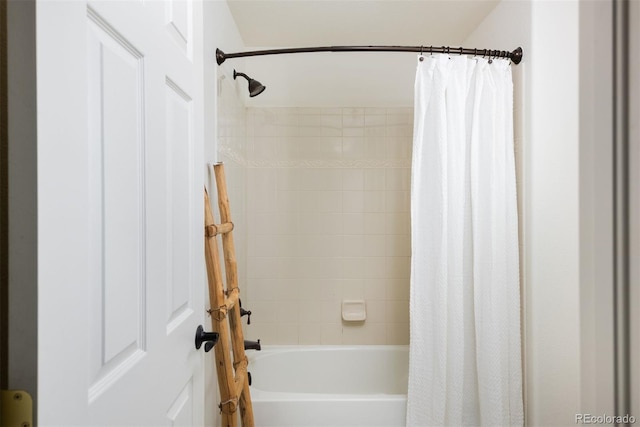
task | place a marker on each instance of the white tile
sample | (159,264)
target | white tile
(375,289)
(376,311)
(353,179)
(329,201)
(352,111)
(331,333)
(287,201)
(258,290)
(406,111)
(328,179)
(288,179)
(397,201)
(309,333)
(319,268)
(308,110)
(331,148)
(331,311)
(260,245)
(352,148)
(353,289)
(353,245)
(287,149)
(286,311)
(308,223)
(332,289)
(398,245)
(263,310)
(374,245)
(352,201)
(375,111)
(398,147)
(398,267)
(397,179)
(353,120)
(289,268)
(374,179)
(399,130)
(374,223)
(306,131)
(353,223)
(353,268)
(287,333)
(266,332)
(375,148)
(285,245)
(398,222)
(397,333)
(374,125)
(332,125)
(310,120)
(309,311)
(308,202)
(398,289)
(398,311)
(262,267)
(374,268)
(320,245)
(374,201)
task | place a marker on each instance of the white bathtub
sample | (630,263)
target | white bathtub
(329,385)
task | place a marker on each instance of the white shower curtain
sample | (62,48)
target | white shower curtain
(465,364)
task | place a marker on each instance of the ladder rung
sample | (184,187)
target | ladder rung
(231,300)
(215,229)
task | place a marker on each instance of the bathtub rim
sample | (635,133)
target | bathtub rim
(261,395)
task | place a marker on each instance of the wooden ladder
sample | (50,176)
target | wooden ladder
(234,389)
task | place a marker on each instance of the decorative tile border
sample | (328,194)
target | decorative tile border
(329,164)
(234,156)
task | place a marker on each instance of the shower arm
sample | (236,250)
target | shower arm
(515,56)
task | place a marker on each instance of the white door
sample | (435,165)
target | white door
(120,179)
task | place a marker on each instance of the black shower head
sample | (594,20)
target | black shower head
(255,87)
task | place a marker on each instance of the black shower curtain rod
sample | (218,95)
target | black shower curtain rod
(515,56)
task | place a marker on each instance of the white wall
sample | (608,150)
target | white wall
(547,136)
(219,31)
(552,217)
(596,208)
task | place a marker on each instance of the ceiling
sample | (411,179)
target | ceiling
(346,79)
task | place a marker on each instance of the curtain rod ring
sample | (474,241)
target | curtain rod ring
(460,50)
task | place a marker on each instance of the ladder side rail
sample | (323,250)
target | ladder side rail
(226,381)
(231,270)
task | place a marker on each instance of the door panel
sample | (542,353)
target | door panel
(120,214)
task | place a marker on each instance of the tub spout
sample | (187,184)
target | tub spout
(252,345)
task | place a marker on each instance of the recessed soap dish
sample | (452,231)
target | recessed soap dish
(354,310)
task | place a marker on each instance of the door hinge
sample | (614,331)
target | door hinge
(16,408)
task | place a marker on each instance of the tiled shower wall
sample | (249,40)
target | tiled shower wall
(327,197)
(231,150)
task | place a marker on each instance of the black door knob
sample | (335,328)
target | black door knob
(210,338)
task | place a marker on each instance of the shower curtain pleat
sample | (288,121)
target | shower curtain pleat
(465,365)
